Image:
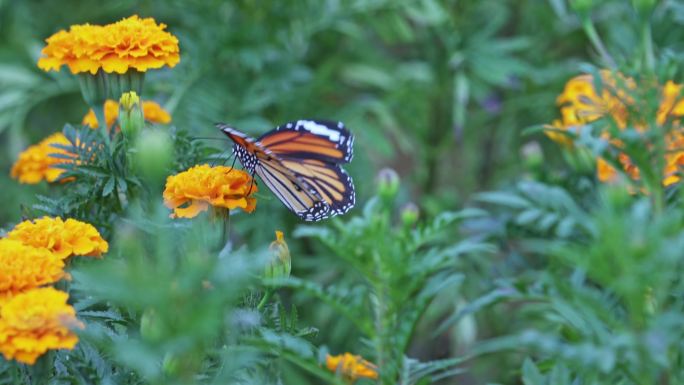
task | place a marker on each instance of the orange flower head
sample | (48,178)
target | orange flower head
(36,321)
(193,191)
(25,267)
(351,366)
(153,112)
(35,163)
(62,238)
(132,43)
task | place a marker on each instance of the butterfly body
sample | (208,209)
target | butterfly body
(300,162)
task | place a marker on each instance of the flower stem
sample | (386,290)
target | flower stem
(595,39)
(647,45)
(98,109)
(264,300)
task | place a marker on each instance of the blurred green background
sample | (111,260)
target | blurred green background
(439,90)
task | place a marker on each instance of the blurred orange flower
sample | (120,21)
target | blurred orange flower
(25,267)
(132,43)
(193,191)
(35,163)
(351,366)
(62,238)
(153,112)
(36,321)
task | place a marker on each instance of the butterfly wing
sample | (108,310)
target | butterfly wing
(295,193)
(311,139)
(313,150)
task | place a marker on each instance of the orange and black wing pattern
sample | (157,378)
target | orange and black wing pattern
(299,162)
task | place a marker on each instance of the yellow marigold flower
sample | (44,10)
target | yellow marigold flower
(36,321)
(192,191)
(581,104)
(62,238)
(35,163)
(25,267)
(351,366)
(73,48)
(153,113)
(131,43)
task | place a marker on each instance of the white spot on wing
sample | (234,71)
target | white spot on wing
(319,129)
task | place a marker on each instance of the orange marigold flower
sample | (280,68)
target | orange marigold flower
(25,267)
(73,48)
(62,238)
(351,366)
(192,191)
(35,163)
(153,112)
(132,43)
(36,321)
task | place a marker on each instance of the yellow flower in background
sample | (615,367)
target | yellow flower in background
(132,43)
(62,238)
(580,102)
(36,321)
(153,113)
(35,163)
(25,267)
(193,191)
(351,366)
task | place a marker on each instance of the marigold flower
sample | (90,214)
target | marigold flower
(35,163)
(132,43)
(62,238)
(36,321)
(153,113)
(25,267)
(580,102)
(192,191)
(351,366)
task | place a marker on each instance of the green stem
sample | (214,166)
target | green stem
(267,296)
(595,39)
(98,109)
(647,45)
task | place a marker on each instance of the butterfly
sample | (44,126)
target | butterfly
(300,162)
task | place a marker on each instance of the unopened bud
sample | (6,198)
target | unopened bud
(280,265)
(388,183)
(409,214)
(582,7)
(153,154)
(131,119)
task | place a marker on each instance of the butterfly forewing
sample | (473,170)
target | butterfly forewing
(299,162)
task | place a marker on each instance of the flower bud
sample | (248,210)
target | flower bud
(582,7)
(409,214)
(131,119)
(532,155)
(644,7)
(388,183)
(150,327)
(280,265)
(153,154)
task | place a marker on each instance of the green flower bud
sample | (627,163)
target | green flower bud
(131,119)
(582,7)
(532,155)
(644,7)
(150,327)
(280,264)
(388,183)
(410,214)
(153,154)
